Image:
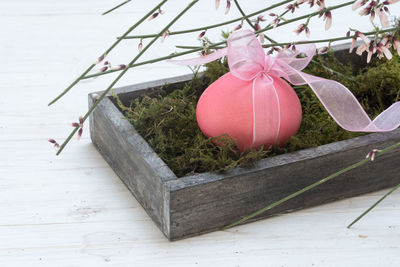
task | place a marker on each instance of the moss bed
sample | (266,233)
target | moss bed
(168,121)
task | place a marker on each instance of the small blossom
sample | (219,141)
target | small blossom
(275,22)
(383,49)
(261,18)
(372,154)
(294,49)
(358,4)
(103,69)
(328,18)
(164,35)
(95,96)
(272,14)
(361,49)
(353,43)
(203,53)
(396,44)
(80,125)
(228,6)
(261,35)
(238,27)
(155,15)
(119,67)
(307,31)
(370,52)
(140,45)
(383,18)
(348,34)
(56,145)
(363,37)
(201,34)
(322,50)
(99,59)
(300,28)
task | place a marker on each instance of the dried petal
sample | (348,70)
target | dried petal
(155,15)
(80,131)
(353,43)
(75,124)
(201,34)
(328,23)
(358,4)
(322,50)
(383,18)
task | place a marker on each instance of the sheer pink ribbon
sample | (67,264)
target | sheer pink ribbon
(247,61)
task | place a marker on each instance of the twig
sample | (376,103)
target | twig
(117,6)
(107,51)
(123,72)
(374,205)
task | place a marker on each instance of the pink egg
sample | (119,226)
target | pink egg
(226,107)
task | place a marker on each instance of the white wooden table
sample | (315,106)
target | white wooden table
(72,210)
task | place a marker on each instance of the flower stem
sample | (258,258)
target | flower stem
(117,6)
(62,146)
(374,205)
(218,45)
(107,51)
(210,26)
(330,177)
(303,42)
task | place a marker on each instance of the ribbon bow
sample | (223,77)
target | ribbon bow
(247,61)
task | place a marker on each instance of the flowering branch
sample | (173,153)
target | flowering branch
(62,146)
(101,58)
(210,26)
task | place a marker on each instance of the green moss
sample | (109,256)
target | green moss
(168,121)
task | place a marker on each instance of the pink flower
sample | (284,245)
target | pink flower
(322,50)
(201,34)
(396,45)
(353,43)
(80,125)
(384,50)
(363,37)
(383,18)
(358,4)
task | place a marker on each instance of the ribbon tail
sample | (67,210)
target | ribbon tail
(201,60)
(344,107)
(266,111)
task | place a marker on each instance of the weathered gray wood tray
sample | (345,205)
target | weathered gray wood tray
(183,207)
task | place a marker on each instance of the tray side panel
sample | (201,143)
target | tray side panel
(124,150)
(204,207)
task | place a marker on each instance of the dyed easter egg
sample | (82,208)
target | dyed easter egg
(226,107)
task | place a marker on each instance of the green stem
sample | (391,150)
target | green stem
(374,205)
(211,26)
(304,42)
(123,72)
(330,177)
(217,45)
(107,51)
(117,6)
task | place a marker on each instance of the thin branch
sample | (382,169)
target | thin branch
(211,26)
(107,51)
(374,205)
(306,42)
(117,6)
(62,146)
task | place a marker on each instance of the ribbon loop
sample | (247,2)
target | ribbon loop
(247,61)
